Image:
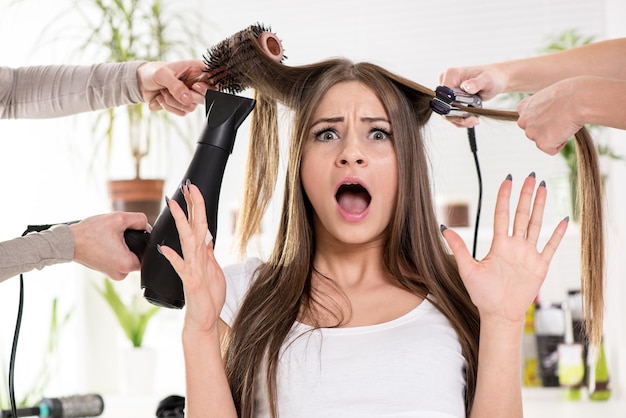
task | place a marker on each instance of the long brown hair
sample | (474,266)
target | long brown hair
(415,253)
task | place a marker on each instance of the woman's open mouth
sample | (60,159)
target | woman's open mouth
(353,198)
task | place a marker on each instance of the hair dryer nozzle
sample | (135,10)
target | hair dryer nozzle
(224,114)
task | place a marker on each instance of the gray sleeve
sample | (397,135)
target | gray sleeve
(61,90)
(36,250)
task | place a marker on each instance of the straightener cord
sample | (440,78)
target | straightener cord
(471,134)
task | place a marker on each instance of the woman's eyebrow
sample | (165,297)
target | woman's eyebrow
(341,119)
(375,119)
(328,120)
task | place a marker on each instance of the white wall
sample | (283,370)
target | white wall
(43,165)
(616,229)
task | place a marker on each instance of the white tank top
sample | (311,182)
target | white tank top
(411,366)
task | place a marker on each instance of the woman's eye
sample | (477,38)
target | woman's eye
(326,135)
(379,134)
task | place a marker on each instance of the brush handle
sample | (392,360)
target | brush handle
(271,45)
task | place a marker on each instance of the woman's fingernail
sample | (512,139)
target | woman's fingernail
(442,228)
(167,200)
(187,184)
(532,174)
(542,184)
(509,177)
(159,249)
(566,219)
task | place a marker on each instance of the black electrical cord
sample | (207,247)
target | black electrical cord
(18,323)
(16,334)
(471,134)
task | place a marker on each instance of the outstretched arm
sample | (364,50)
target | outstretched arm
(61,90)
(96,242)
(502,286)
(575,87)
(553,115)
(208,391)
(529,75)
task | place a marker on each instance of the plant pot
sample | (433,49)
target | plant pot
(138,371)
(137,195)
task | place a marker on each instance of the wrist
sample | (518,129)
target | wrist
(591,97)
(140,74)
(506,74)
(194,335)
(517,76)
(503,328)
(75,232)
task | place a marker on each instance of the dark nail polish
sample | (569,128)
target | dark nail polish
(566,219)
(187,183)
(509,177)
(542,184)
(442,228)
(532,174)
(167,200)
(159,249)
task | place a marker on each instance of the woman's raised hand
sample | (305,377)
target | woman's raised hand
(504,283)
(203,279)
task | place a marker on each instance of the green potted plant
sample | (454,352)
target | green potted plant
(132,317)
(137,361)
(566,40)
(136,30)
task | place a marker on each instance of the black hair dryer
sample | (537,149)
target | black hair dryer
(224,114)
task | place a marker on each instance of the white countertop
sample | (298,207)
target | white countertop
(118,406)
(549,403)
(538,403)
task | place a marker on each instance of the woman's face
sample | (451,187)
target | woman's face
(349,169)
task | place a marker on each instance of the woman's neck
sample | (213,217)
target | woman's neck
(354,288)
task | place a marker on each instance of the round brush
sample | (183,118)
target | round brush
(228,62)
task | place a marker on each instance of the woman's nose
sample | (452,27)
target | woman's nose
(351,152)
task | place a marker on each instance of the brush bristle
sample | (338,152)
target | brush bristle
(228,61)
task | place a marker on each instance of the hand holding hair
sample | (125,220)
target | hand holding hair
(485,81)
(553,115)
(169,85)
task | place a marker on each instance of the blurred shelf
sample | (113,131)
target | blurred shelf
(121,406)
(549,403)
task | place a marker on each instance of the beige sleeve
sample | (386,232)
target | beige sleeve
(36,250)
(61,90)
